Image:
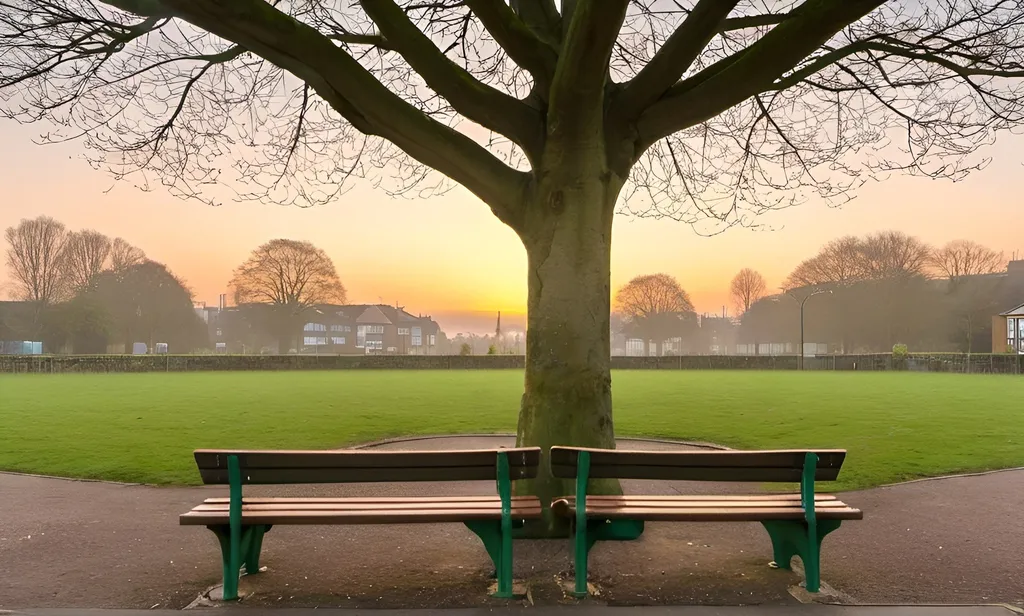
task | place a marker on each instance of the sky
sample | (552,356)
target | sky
(449,257)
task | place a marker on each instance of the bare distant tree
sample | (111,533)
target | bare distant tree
(891,255)
(651,303)
(961,258)
(747,287)
(85,257)
(123,256)
(36,250)
(839,261)
(289,276)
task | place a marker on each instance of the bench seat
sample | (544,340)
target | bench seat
(707,508)
(360,510)
(240,522)
(797,523)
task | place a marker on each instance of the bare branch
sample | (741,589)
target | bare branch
(476,101)
(523,45)
(675,57)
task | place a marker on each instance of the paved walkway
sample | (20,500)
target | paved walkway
(803,610)
(68,543)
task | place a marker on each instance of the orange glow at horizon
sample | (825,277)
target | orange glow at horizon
(449,254)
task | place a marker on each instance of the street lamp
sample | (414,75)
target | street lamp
(802,302)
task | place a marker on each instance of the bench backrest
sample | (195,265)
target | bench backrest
(351,466)
(781,466)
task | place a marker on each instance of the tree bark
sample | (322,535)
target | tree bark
(567,399)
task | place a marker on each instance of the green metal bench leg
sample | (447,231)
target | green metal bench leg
(230,557)
(255,546)
(581,556)
(793,538)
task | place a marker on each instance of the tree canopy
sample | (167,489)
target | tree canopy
(728,106)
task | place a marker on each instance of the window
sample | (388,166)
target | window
(337,328)
(346,328)
(392,349)
(1020,329)
(314,341)
(1009,328)
(417,336)
(314,327)
(337,340)
(220,333)
(432,340)
(403,331)
(374,345)
(363,330)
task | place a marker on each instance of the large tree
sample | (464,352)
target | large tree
(656,307)
(747,287)
(36,254)
(960,259)
(290,277)
(85,256)
(147,303)
(547,111)
(124,255)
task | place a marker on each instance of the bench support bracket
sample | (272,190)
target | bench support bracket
(792,538)
(249,547)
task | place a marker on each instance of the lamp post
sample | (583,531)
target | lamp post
(802,302)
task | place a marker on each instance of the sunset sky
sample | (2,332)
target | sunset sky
(448,256)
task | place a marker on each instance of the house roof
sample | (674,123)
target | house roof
(1016,312)
(373,314)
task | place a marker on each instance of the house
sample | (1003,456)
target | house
(1010,323)
(369,329)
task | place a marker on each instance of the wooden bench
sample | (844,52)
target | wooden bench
(796,523)
(240,522)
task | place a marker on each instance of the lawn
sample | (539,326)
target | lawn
(143,427)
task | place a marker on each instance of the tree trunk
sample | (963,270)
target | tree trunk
(567,400)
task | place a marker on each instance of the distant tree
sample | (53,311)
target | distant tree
(148,303)
(82,323)
(465,349)
(292,277)
(962,258)
(86,256)
(123,255)
(891,255)
(654,304)
(839,261)
(35,256)
(747,287)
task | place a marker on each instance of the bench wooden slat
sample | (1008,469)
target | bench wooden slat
(366,499)
(682,497)
(358,516)
(269,476)
(359,506)
(760,466)
(357,466)
(737,514)
(708,502)
(680,473)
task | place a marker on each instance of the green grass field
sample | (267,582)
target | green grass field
(143,427)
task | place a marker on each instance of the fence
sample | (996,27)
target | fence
(918,362)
